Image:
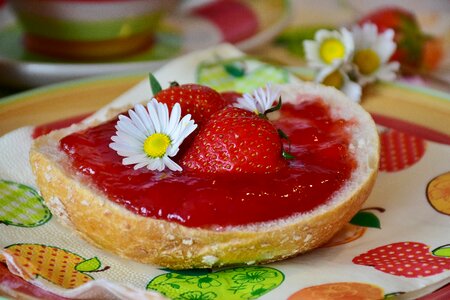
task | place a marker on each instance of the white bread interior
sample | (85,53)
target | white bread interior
(83,207)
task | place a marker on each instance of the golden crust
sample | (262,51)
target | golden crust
(148,240)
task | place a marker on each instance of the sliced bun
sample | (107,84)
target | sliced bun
(83,207)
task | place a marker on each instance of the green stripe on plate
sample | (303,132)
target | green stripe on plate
(89,31)
(421,89)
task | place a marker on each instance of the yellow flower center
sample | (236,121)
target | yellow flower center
(332,49)
(367,61)
(156,145)
(334,79)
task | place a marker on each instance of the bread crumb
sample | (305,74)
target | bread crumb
(85,202)
(361,144)
(187,242)
(251,262)
(209,260)
(57,208)
(307,238)
(171,237)
(189,254)
(48,177)
(266,256)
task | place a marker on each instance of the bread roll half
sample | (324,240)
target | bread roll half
(83,207)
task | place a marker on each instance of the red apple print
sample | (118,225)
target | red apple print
(408,259)
(399,150)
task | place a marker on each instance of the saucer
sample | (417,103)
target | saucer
(194,25)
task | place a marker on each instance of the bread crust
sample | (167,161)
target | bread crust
(152,241)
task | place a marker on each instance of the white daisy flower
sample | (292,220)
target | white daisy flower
(339,79)
(372,54)
(260,101)
(149,137)
(329,48)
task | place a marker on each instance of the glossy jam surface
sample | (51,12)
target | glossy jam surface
(321,166)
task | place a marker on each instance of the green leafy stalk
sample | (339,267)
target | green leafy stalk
(154,84)
(285,154)
(274,108)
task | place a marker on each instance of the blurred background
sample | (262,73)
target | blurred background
(44,45)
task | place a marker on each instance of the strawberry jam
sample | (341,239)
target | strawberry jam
(322,164)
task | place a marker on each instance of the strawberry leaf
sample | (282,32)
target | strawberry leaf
(442,251)
(365,219)
(154,84)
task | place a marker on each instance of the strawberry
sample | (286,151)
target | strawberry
(235,141)
(433,53)
(392,17)
(231,97)
(408,259)
(413,48)
(198,100)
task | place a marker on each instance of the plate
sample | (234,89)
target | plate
(394,105)
(182,32)
(422,111)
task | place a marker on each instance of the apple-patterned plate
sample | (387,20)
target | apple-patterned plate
(396,245)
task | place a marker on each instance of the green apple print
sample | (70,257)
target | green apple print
(21,205)
(235,283)
(240,75)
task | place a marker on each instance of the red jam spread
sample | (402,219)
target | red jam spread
(321,166)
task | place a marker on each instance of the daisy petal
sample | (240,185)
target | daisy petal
(175,116)
(134,159)
(171,164)
(154,117)
(145,118)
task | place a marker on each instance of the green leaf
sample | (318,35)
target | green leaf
(287,155)
(89,265)
(234,69)
(442,251)
(282,134)
(366,219)
(154,84)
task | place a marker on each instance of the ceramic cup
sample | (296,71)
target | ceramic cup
(89,29)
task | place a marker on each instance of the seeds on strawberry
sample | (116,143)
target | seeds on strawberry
(198,100)
(237,141)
